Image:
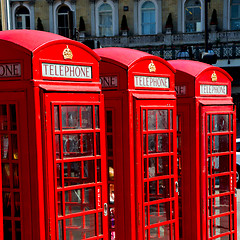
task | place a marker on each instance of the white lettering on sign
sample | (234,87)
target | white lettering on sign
(66,71)
(151,82)
(180,90)
(213,89)
(10,70)
(99,202)
(109,81)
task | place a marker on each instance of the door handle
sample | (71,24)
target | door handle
(105,210)
(176,185)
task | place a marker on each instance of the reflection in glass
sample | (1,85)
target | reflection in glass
(57,146)
(111,193)
(56,117)
(220,184)
(100,230)
(162,140)
(144,120)
(96,116)
(99,170)
(3,117)
(6,203)
(15,176)
(81,172)
(59,200)
(77,117)
(18,230)
(112,217)
(159,189)
(157,119)
(77,145)
(220,122)
(13,117)
(159,212)
(4,147)
(220,143)
(7,224)
(79,200)
(60,230)
(220,164)
(17,204)
(221,225)
(98,148)
(221,204)
(14,146)
(5,175)
(109,121)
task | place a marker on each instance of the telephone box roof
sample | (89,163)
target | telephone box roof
(126,57)
(195,68)
(33,40)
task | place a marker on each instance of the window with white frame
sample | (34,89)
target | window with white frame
(235,15)
(22,18)
(192,10)
(105,18)
(63,16)
(148,18)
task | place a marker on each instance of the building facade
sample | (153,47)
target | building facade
(156,26)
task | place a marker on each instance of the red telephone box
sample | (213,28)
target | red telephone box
(52,139)
(140,108)
(206,152)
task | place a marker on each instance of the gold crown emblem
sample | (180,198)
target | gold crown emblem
(214,77)
(67,53)
(151,67)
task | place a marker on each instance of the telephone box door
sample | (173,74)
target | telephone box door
(76,166)
(156,170)
(218,168)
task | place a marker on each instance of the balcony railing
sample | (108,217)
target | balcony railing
(225,44)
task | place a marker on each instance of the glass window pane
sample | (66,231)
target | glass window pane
(7,203)
(159,189)
(79,200)
(13,117)
(14,147)
(56,117)
(16,204)
(220,122)
(220,184)
(59,174)
(4,147)
(220,143)
(221,204)
(221,225)
(76,173)
(60,230)
(7,229)
(6,175)
(159,212)
(77,145)
(3,117)
(96,116)
(220,164)
(15,176)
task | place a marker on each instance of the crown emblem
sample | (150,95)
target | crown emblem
(67,53)
(152,67)
(214,77)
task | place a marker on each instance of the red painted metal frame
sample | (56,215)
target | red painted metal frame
(190,75)
(29,48)
(58,99)
(207,175)
(125,64)
(142,178)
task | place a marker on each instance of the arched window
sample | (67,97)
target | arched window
(148,18)
(22,18)
(235,15)
(105,20)
(64,17)
(192,10)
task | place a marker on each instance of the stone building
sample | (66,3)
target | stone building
(163,28)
